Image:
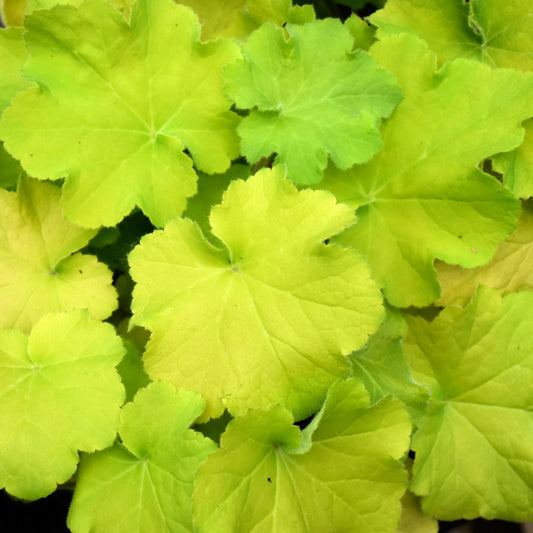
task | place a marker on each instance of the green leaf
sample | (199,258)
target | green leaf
(210,190)
(498,34)
(131,370)
(33,5)
(422,196)
(506,31)
(12,12)
(382,367)
(238,18)
(144,483)
(443,24)
(60,393)
(347,479)
(10,170)
(472,450)
(508,271)
(361,31)
(12,56)
(309,96)
(117,104)
(413,520)
(517,166)
(268,319)
(39,271)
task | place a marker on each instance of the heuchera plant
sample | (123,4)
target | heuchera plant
(264,272)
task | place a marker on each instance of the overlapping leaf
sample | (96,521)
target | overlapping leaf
(268,319)
(60,393)
(210,191)
(15,10)
(495,33)
(310,96)
(144,483)
(413,520)
(340,474)
(12,57)
(238,18)
(508,271)
(118,103)
(39,271)
(382,367)
(498,34)
(517,166)
(473,456)
(422,196)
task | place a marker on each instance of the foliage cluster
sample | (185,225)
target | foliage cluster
(261,271)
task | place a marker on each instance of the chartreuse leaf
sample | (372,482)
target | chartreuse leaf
(33,5)
(60,393)
(10,169)
(508,271)
(12,12)
(39,271)
(238,18)
(422,196)
(498,34)
(118,103)
(340,474)
(495,33)
(517,165)
(271,317)
(210,191)
(145,482)
(361,31)
(12,57)
(382,367)
(473,456)
(413,520)
(443,24)
(309,96)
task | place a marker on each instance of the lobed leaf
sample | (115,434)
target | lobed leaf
(145,482)
(12,57)
(340,474)
(422,197)
(472,453)
(381,365)
(60,394)
(508,271)
(116,106)
(267,319)
(498,34)
(517,165)
(39,271)
(237,19)
(309,96)
(487,30)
